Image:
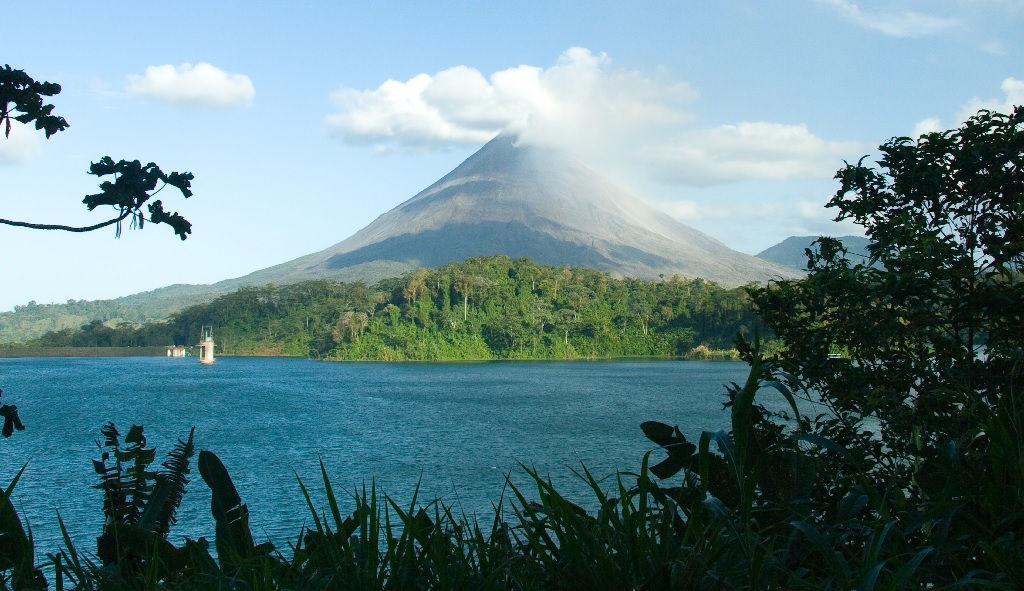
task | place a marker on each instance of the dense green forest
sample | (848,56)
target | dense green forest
(30,321)
(34,319)
(480,308)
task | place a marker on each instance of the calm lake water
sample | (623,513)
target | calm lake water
(456,428)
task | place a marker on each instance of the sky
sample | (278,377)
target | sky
(304,121)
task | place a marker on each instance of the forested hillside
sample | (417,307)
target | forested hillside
(25,323)
(481,308)
(31,320)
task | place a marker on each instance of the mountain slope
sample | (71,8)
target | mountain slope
(790,251)
(526,201)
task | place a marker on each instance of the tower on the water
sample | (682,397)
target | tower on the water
(206,345)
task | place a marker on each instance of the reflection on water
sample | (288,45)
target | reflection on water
(456,430)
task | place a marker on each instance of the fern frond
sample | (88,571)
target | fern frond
(161,512)
(125,478)
(137,479)
(110,474)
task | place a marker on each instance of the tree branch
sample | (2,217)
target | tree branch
(111,222)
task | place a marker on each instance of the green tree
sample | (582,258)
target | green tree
(463,285)
(22,99)
(416,285)
(567,320)
(917,353)
(642,303)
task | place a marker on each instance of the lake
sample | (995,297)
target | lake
(457,429)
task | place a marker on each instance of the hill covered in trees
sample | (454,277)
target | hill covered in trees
(32,320)
(481,308)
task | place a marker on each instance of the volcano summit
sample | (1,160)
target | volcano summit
(525,201)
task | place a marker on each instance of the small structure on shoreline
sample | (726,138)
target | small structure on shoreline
(176,351)
(206,346)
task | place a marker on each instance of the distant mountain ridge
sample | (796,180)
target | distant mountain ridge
(790,252)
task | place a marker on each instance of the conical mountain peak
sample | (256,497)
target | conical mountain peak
(519,200)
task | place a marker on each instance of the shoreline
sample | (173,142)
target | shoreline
(98,352)
(22,352)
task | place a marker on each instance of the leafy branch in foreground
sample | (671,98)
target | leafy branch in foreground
(26,94)
(21,99)
(133,186)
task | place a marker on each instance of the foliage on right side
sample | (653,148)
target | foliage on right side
(917,354)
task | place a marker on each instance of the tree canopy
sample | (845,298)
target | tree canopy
(917,354)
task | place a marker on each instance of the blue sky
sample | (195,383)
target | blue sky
(304,121)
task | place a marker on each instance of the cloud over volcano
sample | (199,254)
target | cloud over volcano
(585,105)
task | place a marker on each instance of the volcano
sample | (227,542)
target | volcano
(525,201)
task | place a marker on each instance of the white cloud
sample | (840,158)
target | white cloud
(397,111)
(905,24)
(1013,95)
(691,211)
(929,125)
(612,118)
(22,144)
(580,97)
(752,150)
(202,85)
(757,219)
(812,218)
